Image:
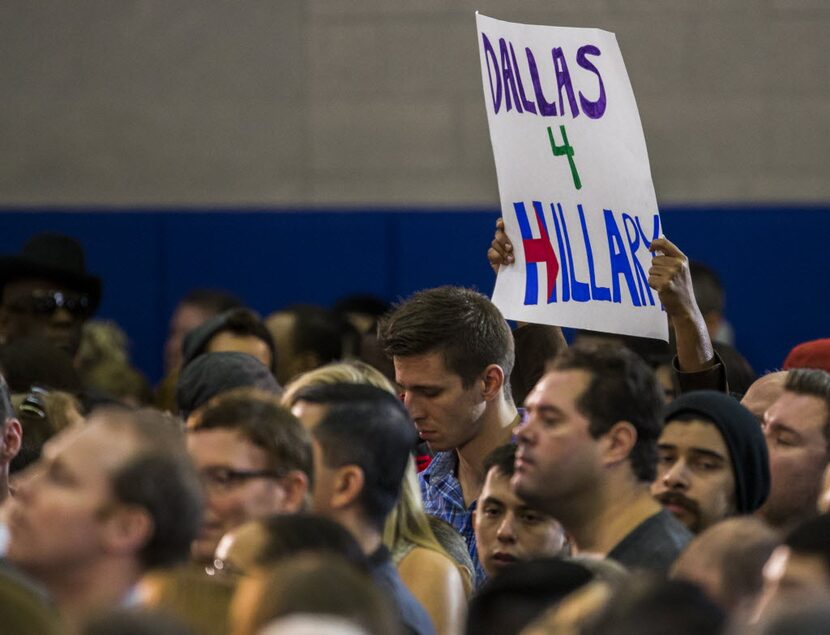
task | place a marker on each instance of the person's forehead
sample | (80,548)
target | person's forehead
(91,447)
(224,447)
(802,412)
(497,487)
(560,385)
(694,434)
(426,368)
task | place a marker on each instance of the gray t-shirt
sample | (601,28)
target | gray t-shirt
(654,544)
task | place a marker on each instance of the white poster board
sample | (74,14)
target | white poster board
(574,179)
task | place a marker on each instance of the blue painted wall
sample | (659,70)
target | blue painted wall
(773,261)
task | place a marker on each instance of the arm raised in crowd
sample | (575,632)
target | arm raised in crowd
(536,344)
(697,366)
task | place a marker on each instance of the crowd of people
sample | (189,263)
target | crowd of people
(421,468)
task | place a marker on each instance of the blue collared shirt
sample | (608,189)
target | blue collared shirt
(444,499)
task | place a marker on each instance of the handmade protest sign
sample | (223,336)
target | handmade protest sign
(574,179)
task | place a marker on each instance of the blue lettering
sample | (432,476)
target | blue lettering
(633,244)
(563,257)
(619,260)
(532,279)
(579,290)
(597,292)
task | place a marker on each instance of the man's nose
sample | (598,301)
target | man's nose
(60,316)
(412,404)
(507,529)
(677,476)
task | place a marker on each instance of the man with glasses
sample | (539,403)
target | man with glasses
(47,292)
(254,458)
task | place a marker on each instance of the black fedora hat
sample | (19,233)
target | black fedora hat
(54,257)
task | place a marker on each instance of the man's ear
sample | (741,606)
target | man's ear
(348,483)
(493,382)
(295,484)
(126,529)
(12,440)
(618,442)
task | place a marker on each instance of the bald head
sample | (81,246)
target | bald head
(727,560)
(763,392)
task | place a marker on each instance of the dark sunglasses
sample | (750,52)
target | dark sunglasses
(44,302)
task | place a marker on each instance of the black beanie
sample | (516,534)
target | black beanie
(743,436)
(213,373)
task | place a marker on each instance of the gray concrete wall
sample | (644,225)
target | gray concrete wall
(352,102)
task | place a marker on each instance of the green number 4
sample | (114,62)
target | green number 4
(565,150)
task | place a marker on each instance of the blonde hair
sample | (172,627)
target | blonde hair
(350,372)
(408,522)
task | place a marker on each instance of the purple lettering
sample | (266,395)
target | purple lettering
(563,80)
(492,65)
(593,109)
(529,105)
(507,77)
(546,109)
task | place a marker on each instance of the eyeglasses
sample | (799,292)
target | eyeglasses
(35,403)
(223,479)
(46,302)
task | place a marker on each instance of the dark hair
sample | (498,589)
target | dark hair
(370,428)
(707,287)
(621,388)
(168,488)
(317,330)
(814,383)
(321,585)
(212,300)
(503,459)
(739,372)
(261,419)
(361,303)
(290,534)
(513,599)
(461,324)
(160,478)
(812,537)
(239,321)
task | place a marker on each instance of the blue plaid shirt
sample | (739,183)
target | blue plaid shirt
(444,499)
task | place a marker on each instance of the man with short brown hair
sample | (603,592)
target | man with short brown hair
(108,500)
(797,429)
(254,458)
